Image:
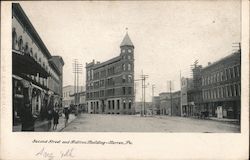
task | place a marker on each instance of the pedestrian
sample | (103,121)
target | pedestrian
(66,114)
(55,119)
(27,118)
(50,116)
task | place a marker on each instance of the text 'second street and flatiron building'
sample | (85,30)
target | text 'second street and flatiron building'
(37,76)
(110,84)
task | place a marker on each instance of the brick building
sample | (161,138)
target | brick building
(36,74)
(110,84)
(221,87)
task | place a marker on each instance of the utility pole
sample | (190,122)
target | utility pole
(77,69)
(153,87)
(143,78)
(181,93)
(170,90)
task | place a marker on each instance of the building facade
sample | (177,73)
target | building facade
(67,98)
(36,78)
(186,104)
(221,87)
(156,105)
(170,103)
(164,103)
(110,84)
(176,103)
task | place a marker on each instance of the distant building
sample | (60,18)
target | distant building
(36,74)
(164,103)
(68,95)
(139,108)
(221,87)
(170,103)
(156,105)
(110,85)
(176,103)
(186,102)
(67,99)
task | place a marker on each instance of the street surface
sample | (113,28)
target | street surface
(135,123)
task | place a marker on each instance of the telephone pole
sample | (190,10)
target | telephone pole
(153,87)
(181,93)
(143,79)
(170,90)
(77,69)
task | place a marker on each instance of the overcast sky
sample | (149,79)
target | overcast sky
(168,36)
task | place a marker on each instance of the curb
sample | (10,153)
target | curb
(60,130)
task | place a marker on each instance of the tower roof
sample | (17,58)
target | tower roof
(126,41)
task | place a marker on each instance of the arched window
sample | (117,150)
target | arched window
(14,38)
(124,67)
(129,67)
(129,104)
(26,48)
(129,78)
(20,43)
(124,104)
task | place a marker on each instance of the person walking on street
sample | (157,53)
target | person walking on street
(66,114)
(55,119)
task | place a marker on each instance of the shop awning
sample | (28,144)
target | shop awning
(23,63)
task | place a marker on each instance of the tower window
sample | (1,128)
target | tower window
(124,67)
(129,78)
(129,67)
(123,51)
(129,50)
(123,79)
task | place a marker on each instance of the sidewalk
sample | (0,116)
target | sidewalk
(42,126)
(225,120)
(61,123)
(235,121)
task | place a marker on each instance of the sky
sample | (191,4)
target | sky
(168,35)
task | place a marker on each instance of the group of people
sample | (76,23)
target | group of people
(54,115)
(28,119)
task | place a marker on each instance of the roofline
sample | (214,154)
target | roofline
(20,14)
(60,59)
(54,66)
(68,86)
(97,65)
(222,59)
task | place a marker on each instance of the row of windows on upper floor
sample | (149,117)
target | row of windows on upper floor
(225,91)
(24,47)
(111,71)
(110,82)
(111,104)
(110,92)
(223,75)
(49,82)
